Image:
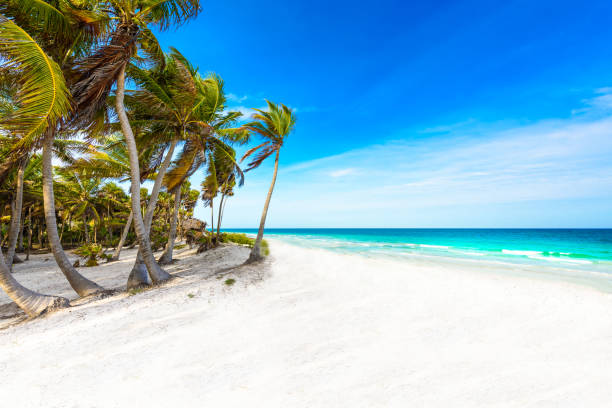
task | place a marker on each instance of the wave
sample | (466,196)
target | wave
(521,253)
(433,246)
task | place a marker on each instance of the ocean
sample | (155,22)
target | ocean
(576,249)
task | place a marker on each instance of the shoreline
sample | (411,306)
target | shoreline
(322,329)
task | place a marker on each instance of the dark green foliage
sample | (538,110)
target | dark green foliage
(242,239)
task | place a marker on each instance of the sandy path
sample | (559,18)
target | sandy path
(323,330)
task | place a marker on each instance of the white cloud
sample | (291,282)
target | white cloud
(236,98)
(247,113)
(342,172)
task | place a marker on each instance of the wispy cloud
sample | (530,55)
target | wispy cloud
(247,113)
(342,172)
(236,98)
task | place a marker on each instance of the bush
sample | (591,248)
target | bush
(242,239)
(236,238)
(91,252)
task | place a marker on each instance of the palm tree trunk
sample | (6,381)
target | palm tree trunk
(181,233)
(62,228)
(29,233)
(166,257)
(20,237)
(109,228)
(222,209)
(86,230)
(70,228)
(124,235)
(29,301)
(212,217)
(138,275)
(157,273)
(256,251)
(16,207)
(78,282)
(219,216)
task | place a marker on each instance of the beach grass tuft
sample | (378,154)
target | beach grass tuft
(135,291)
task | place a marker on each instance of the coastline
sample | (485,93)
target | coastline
(322,329)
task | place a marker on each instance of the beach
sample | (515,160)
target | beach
(311,327)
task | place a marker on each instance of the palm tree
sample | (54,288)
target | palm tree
(97,73)
(31,302)
(273,126)
(65,32)
(79,193)
(42,99)
(191,108)
(166,256)
(227,172)
(210,188)
(16,209)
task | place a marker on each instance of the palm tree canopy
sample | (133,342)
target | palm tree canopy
(42,97)
(273,125)
(95,74)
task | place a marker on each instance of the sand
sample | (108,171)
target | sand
(312,328)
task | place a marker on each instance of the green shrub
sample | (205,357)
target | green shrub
(230,281)
(180,246)
(236,238)
(242,239)
(91,252)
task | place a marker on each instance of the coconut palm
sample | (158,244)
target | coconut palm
(227,172)
(111,160)
(274,126)
(97,73)
(79,193)
(42,98)
(186,106)
(31,302)
(65,31)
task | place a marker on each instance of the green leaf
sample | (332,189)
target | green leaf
(42,97)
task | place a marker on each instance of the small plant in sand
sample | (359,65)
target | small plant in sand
(91,252)
(190,295)
(135,291)
(230,281)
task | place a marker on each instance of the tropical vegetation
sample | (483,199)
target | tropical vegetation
(90,102)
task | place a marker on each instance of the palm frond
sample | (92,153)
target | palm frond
(43,97)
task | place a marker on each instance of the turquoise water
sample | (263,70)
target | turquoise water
(587,249)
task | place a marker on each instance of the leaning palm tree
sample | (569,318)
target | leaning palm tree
(97,73)
(31,302)
(195,108)
(273,126)
(65,33)
(42,98)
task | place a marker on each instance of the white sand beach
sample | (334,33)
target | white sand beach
(311,328)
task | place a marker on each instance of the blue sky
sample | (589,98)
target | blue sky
(420,114)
